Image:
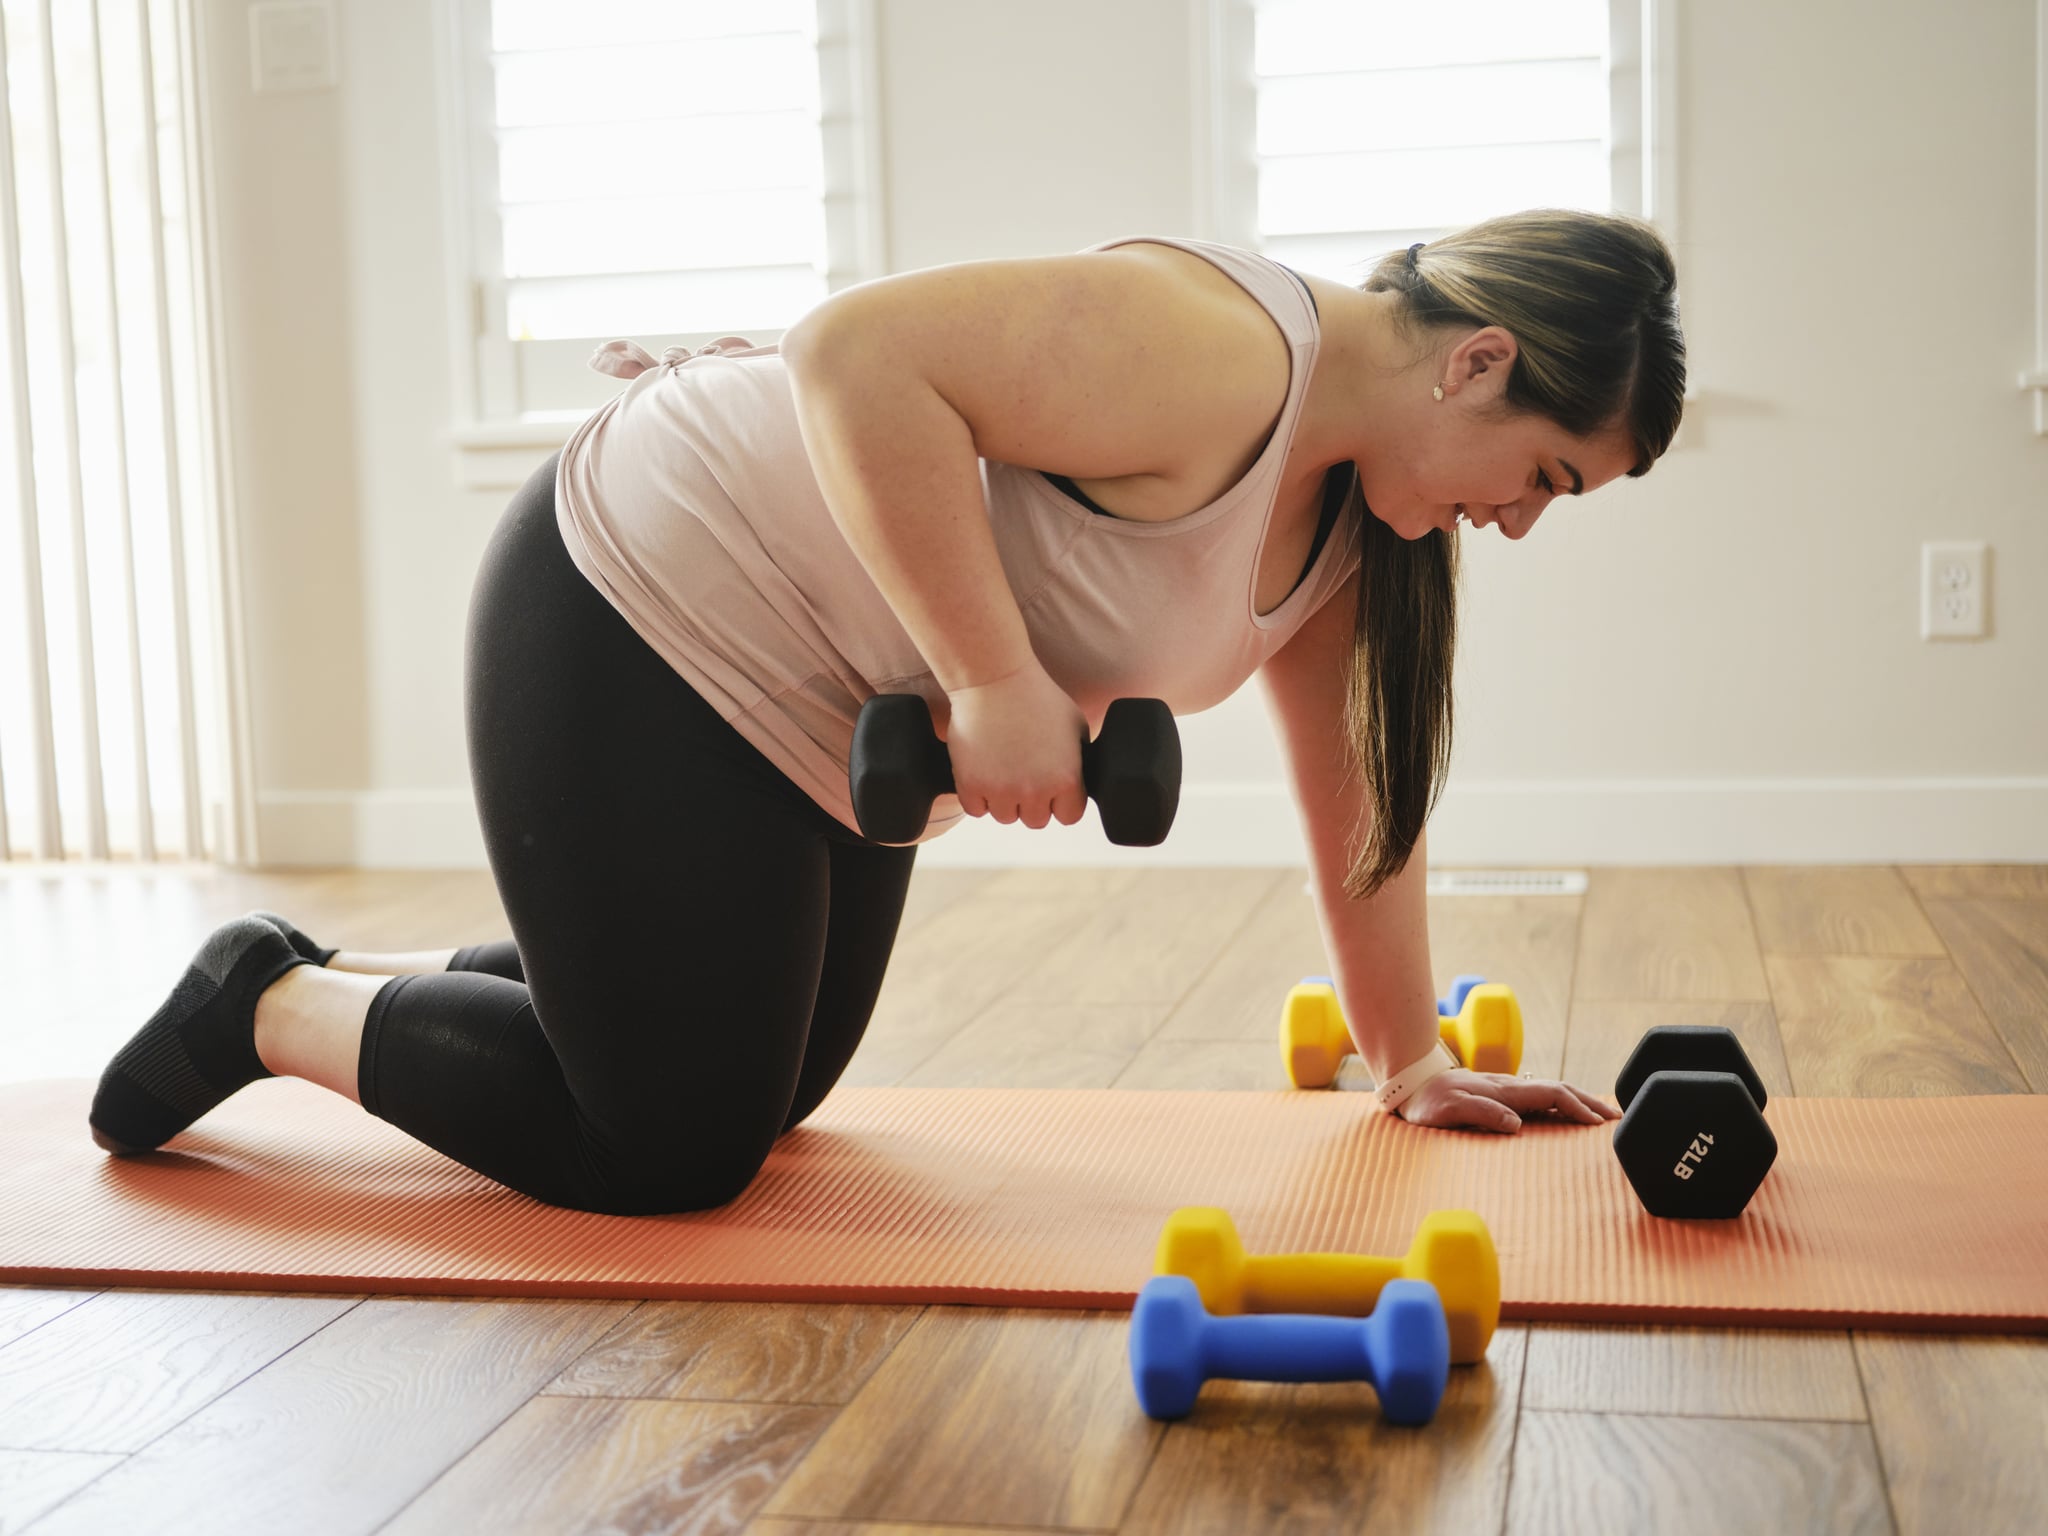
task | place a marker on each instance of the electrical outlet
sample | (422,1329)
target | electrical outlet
(1953,591)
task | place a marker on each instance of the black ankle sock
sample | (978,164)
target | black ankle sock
(199,1047)
(296,939)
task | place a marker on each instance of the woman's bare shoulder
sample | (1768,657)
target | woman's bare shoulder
(1118,363)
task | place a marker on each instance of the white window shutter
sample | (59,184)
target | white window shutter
(1384,122)
(664,170)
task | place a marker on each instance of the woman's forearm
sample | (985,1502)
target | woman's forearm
(901,477)
(1378,949)
(1379,958)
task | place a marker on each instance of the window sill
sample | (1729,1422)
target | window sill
(499,455)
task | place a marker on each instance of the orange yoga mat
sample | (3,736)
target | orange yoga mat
(1900,1213)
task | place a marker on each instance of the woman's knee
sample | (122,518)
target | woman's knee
(666,1182)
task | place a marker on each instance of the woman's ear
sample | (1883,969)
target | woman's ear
(1483,360)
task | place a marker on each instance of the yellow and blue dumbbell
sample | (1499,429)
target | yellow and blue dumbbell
(1402,1347)
(1481,1023)
(1452,1251)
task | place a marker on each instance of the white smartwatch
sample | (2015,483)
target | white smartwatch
(1395,1091)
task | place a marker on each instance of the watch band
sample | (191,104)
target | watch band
(1395,1091)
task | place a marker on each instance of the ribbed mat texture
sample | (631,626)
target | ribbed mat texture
(1902,1213)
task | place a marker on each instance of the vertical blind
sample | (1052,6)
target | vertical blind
(658,163)
(109,725)
(1384,122)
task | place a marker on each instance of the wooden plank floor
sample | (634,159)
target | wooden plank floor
(163,1411)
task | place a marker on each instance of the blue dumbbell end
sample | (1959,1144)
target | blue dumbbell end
(1450,1007)
(1309,981)
(1410,1345)
(1166,1329)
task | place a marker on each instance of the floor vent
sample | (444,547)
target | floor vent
(1507,882)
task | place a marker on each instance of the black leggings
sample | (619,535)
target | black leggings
(696,944)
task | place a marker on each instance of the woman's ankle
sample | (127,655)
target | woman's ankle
(309,1024)
(410,963)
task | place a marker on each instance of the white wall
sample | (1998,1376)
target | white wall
(1718,663)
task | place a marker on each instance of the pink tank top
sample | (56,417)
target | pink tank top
(687,500)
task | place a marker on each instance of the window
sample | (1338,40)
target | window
(666,170)
(121,731)
(1343,129)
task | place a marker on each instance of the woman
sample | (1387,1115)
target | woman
(1235,470)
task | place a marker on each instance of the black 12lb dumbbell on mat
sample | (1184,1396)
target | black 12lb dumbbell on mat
(899,767)
(1693,1141)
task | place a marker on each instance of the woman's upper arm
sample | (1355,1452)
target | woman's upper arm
(1097,365)
(1305,684)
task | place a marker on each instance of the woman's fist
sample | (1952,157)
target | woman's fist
(1015,745)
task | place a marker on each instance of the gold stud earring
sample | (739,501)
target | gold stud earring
(1439,391)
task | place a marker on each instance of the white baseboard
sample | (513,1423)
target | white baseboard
(1579,822)
(369,829)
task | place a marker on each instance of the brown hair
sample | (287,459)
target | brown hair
(1592,301)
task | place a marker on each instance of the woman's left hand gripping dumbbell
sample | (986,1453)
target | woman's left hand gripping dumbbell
(1015,743)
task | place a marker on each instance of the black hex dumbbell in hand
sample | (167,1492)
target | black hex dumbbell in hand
(1131,770)
(1693,1141)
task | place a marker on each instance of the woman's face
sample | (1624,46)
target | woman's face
(1466,459)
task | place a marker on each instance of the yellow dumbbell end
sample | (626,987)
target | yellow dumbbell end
(1486,1035)
(1313,1038)
(1454,1252)
(1201,1242)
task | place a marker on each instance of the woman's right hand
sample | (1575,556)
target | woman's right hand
(1495,1101)
(1015,743)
